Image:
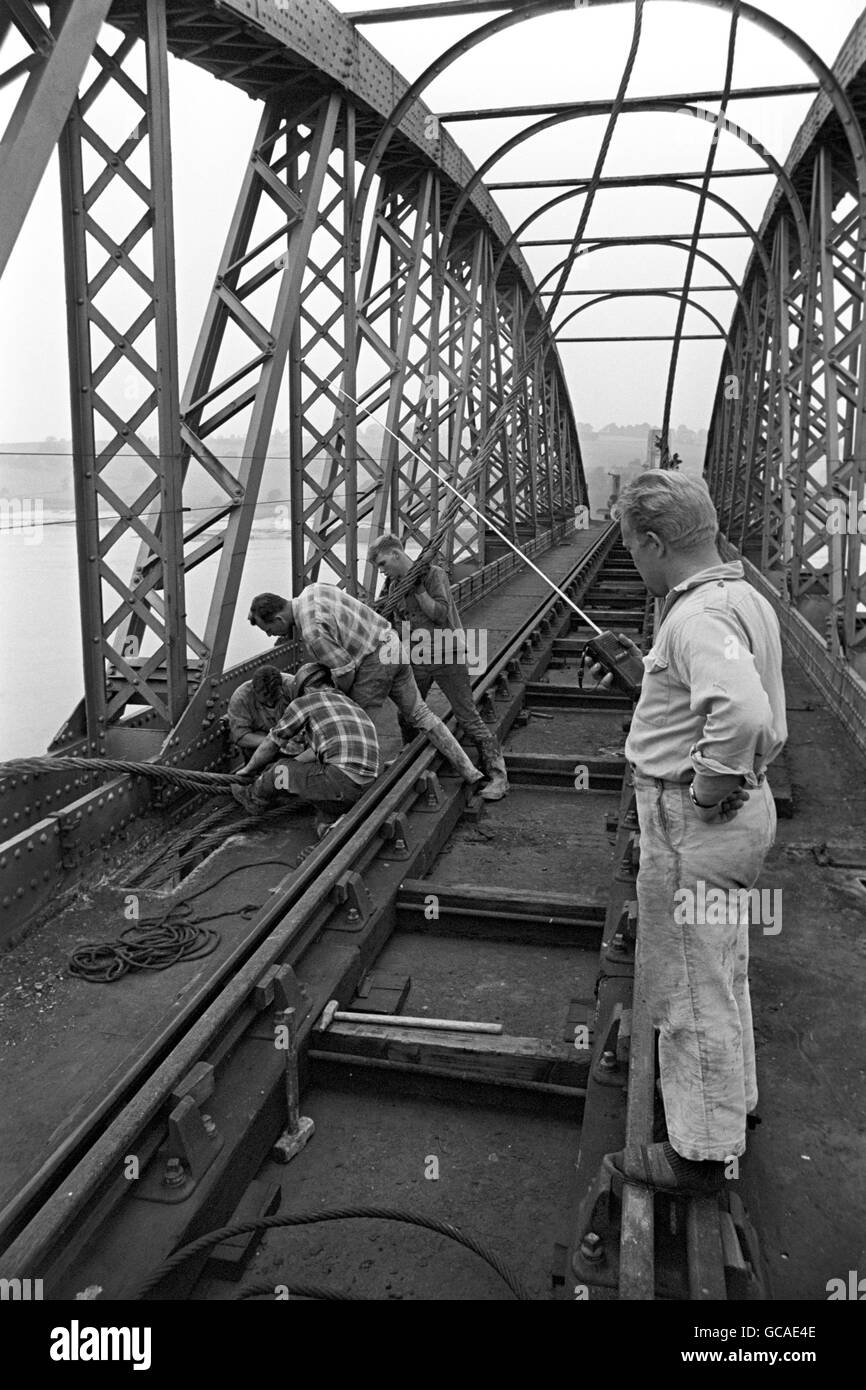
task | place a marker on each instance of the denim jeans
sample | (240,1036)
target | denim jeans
(693,968)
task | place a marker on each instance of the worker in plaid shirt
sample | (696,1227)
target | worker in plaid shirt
(322,752)
(357,644)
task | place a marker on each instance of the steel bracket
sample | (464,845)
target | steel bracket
(396,838)
(611,1064)
(192,1144)
(430,796)
(622,947)
(278,989)
(352,892)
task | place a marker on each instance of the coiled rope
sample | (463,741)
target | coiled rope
(161,942)
(144,946)
(272,1223)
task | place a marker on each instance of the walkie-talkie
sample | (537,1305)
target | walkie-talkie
(618,660)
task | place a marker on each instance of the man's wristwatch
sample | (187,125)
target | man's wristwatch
(699,804)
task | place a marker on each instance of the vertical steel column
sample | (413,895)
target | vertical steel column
(83,429)
(831,389)
(160,679)
(169,525)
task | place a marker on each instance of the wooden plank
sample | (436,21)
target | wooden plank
(637,1242)
(476,910)
(516,1058)
(556,770)
(515,903)
(706,1258)
(453,1084)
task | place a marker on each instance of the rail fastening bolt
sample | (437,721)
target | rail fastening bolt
(592,1248)
(174,1175)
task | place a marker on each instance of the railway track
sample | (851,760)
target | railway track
(519,916)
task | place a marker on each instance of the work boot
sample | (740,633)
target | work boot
(448,746)
(493,766)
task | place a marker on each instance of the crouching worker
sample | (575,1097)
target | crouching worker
(257,705)
(356,644)
(438,653)
(332,748)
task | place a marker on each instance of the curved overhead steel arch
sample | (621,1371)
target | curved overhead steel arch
(660,181)
(640,294)
(655,104)
(674,245)
(788,37)
(669,183)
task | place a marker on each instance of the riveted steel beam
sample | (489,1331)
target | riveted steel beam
(56,67)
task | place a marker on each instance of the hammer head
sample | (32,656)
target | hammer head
(328,1014)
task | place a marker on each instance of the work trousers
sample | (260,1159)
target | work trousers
(454,683)
(692,967)
(377,680)
(317,784)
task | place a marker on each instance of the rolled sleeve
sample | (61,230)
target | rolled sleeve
(323,647)
(716,662)
(285,733)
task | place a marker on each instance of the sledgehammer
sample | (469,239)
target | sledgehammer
(332,1012)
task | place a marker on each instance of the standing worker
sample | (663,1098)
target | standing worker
(356,645)
(710,718)
(430,608)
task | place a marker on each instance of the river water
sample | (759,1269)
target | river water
(40,627)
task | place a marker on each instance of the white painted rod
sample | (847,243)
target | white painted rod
(407,1021)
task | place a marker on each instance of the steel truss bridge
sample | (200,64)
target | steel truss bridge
(368,271)
(367,264)
(366,260)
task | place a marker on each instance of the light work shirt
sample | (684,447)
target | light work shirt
(712,699)
(338,630)
(247,715)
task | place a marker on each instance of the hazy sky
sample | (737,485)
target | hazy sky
(570,56)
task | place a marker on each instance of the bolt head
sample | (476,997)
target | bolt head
(592,1248)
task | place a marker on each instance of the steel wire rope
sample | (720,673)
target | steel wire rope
(300,1291)
(213,782)
(664,458)
(271,1223)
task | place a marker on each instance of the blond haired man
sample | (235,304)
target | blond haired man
(710,718)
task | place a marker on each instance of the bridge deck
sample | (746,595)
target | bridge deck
(66,1040)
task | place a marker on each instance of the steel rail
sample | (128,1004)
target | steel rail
(35,1222)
